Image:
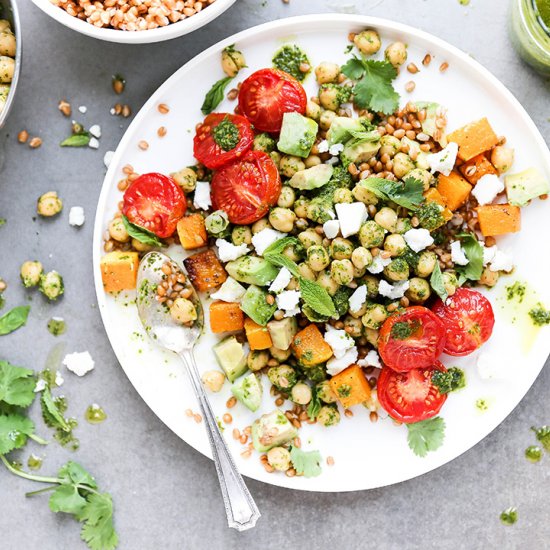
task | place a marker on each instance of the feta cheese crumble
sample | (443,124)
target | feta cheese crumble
(393,292)
(323,146)
(338,364)
(351,217)
(230,291)
(488,254)
(378,264)
(331,228)
(202,199)
(83,109)
(339,340)
(76,216)
(265,238)
(358,298)
(371,360)
(95,131)
(288,302)
(58,379)
(228,252)
(487,188)
(93,143)
(336,149)
(281,281)
(40,385)
(501,262)
(418,239)
(107,158)
(443,161)
(457,254)
(79,363)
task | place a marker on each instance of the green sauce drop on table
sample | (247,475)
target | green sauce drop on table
(289,58)
(543,7)
(509,516)
(95,414)
(34,462)
(533,453)
(57,326)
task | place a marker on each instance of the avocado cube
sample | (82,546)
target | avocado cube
(312,178)
(297,135)
(359,152)
(232,357)
(255,305)
(252,270)
(271,430)
(248,391)
(524,186)
(341,128)
(282,332)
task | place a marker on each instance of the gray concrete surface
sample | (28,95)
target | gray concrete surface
(166,494)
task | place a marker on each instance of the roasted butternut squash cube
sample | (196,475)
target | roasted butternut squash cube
(454,189)
(498,219)
(258,337)
(476,168)
(474,138)
(205,270)
(433,195)
(226,317)
(119,270)
(310,348)
(192,232)
(351,386)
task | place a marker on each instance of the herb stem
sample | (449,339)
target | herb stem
(25,475)
(45,490)
(38,439)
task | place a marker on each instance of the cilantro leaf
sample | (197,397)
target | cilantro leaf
(307,463)
(98,531)
(436,282)
(14,319)
(474,252)
(425,436)
(214,96)
(314,405)
(72,472)
(14,431)
(141,234)
(353,68)
(407,194)
(66,498)
(317,298)
(16,385)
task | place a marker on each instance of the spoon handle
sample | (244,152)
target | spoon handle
(242,512)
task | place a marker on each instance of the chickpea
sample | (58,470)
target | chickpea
(361,257)
(293,284)
(300,207)
(326,119)
(280,354)
(282,377)
(141,247)
(7,68)
(419,290)
(328,98)
(313,110)
(371,234)
(362,194)
(327,282)
(386,218)
(343,195)
(279,459)
(353,326)
(450,282)
(422,161)
(374,317)
(328,416)
(289,165)
(186,178)
(489,278)
(396,54)
(49,204)
(372,284)
(30,273)
(422,175)
(232,61)
(263,142)
(241,234)
(389,145)
(310,237)
(312,160)
(301,394)
(276,157)
(327,72)
(306,272)
(260,225)
(282,219)
(7,43)
(341,249)
(342,271)
(325,393)
(502,158)
(213,380)
(367,42)
(292,253)
(117,231)
(51,285)
(395,244)
(403,225)
(183,311)
(426,263)
(397,270)
(317,257)
(257,360)
(372,336)
(402,165)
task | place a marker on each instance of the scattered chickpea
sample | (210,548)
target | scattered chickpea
(23,136)
(213,380)
(31,272)
(183,311)
(49,204)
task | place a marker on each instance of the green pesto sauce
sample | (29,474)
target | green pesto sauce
(539,316)
(464,2)
(289,58)
(226,134)
(401,330)
(543,7)
(34,462)
(95,414)
(509,516)
(57,326)
(482,405)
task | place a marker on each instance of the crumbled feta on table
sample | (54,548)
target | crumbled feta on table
(288,302)
(230,291)
(83,109)
(393,292)
(281,281)
(358,298)
(107,158)
(93,143)
(457,254)
(228,252)
(487,188)
(95,130)
(351,217)
(339,340)
(443,161)
(58,378)
(201,198)
(40,385)
(331,228)
(76,216)
(265,238)
(79,363)
(418,239)
(338,364)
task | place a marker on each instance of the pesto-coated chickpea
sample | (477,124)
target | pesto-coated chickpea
(342,271)
(327,282)
(186,178)
(117,231)
(402,165)
(241,234)
(426,263)
(362,194)
(424,176)
(450,282)
(292,252)
(317,257)
(7,68)
(372,335)
(326,119)
(396,53)
(329,98)
(361,257)
(282,377)
(374,317)
(260,225)
(289,165)
(257,359)
(341,249)
(358,272)
(306,272)
(343,195)
(310,237)
(422,161)
(387,218)
(367,42)
(313,110)
(353,326)
(264,142)
(325,393)
(389,145)
(279,459)
(395,244)
(7,43)
(232,61)
(282,219)
(328,416)
(403,225)
(489,278)
(30,273)
(49,204)
(502,158)
(397,270)
(276,157)
(213,380)
(51,285)
(279,354)
(286,197)
(183,311)
(327,72)
(371,234)
(372,284)
(312,160)
(300,207)
(301,394)
(419,290)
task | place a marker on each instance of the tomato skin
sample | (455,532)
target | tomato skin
(410,396)
(266,95)
(209,153)
(420,349)
(246,188)
(155,202)
(468,319)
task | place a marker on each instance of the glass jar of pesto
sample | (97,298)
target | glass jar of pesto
(530,32)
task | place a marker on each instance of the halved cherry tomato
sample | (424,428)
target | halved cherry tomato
(266,95)
(246,188)
(410,396)
(468,320)
(411,340)
(207,150)
(156,203)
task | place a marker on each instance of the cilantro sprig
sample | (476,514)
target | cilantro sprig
(426,436)
(306,463)
(474,252)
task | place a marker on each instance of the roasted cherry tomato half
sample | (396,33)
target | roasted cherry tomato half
(468,319)
(156,203)
(413,339)
(246,188)
(410,396)
(222,138)
(266,95)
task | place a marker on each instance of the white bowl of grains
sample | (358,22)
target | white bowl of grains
(134,21)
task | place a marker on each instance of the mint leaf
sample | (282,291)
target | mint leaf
(317,298)
(306,463)
(407,193)
(14,431)
(98,531)
(278,246)
(16,385)
(474,252)
(282,261)
(141,234)
(14,319)
(425,436)
(436,282)
(215,95)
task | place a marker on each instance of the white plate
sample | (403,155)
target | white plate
(366,455)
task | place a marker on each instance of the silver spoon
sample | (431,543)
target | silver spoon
(242,512)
